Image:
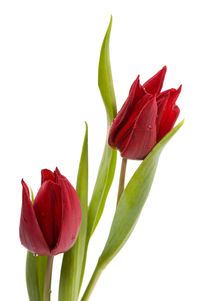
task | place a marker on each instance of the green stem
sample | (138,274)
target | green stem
(47,281)
(93,281)
(122,179)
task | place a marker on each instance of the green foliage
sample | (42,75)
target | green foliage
(129,208)
(35,275)
(133,200)
(73,259)
(108,162)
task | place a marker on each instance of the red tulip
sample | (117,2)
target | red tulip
(51,224)
(146,116)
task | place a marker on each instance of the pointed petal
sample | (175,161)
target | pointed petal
(135,94)
(143,136)
(48,210)
(47,175)
(169,114)
(155,83)
(162,100)
(30,233)
(71,217)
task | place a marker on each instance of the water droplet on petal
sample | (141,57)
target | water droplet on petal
(149,126)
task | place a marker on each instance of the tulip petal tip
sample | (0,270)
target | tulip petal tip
(164,68)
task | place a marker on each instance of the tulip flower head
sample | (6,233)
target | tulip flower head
(145,118)
(51,224)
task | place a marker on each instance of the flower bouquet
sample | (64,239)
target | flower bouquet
(59,218)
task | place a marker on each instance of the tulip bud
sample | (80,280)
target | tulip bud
(51,224)
(145,118)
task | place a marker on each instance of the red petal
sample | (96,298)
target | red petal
(30,233)
(47,175)
(135,94)
(48,210)
(71,216)
(155,83)
(125,131)
(143,136)
(169,114)
(162,100)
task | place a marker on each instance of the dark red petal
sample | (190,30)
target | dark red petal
(143,136)
(48,210)
(47,175)
(169,114)
(125,131)
(57,172)
(155,83)
(30,233)
(135,94)
(162,100)
(71,217)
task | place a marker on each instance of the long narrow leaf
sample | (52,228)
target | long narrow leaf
(108,162)
(73,259)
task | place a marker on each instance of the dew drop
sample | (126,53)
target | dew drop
(149,126)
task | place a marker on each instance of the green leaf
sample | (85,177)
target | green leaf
(41,262)
(35,274)
(108,162)
(73,259)
(132,201)
(31,278)
(105,77)
(129,208)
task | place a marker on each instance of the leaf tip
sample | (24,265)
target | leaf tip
(86,126)
(110,24)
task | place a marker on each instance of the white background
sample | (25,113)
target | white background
(48,87)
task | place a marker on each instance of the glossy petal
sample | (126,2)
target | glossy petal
(71,216)
(155,83)
(123,134)
(143,136)
(169,114)
(48,210)
(162,100)
(47,175)
(135,94)
(30,233)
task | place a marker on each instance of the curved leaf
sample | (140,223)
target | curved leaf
(105,81)
(73,259)
(108,162)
